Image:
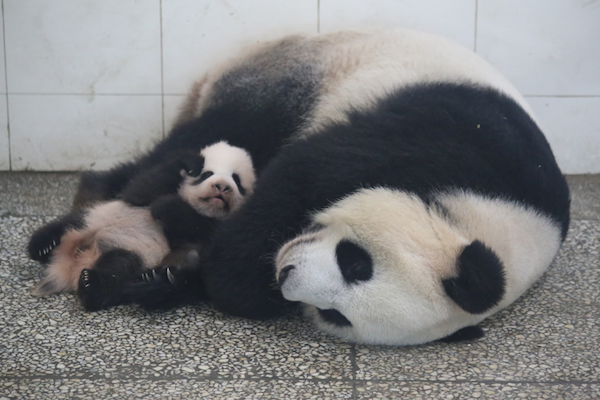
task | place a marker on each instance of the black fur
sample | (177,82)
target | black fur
(480,282)
(423,139)
(182,225)
(334,317)
(47,238)
(102,286)
(161,180)
(354,262)
(463,334)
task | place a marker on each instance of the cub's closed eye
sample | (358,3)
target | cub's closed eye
(204,176)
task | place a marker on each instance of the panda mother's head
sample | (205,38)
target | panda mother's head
(382,267)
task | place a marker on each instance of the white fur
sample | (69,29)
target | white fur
(413,249)
(111,225)
(224,161)
(361,67)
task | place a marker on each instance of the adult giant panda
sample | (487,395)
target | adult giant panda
(405,191)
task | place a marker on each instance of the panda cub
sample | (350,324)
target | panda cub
(159,217)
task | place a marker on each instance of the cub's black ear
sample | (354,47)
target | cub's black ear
(480,282)
(192,165)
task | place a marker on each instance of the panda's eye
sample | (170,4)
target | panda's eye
(238,182)
(204,176)
(354,262)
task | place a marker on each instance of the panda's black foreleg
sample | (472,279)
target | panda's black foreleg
(181,223)
(44,240)
(102,286)
(162,179)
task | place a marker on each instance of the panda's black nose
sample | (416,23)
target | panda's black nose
(284,273)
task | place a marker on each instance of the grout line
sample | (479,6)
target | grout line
(318,16)
(566,96)
(84,94)
(354,370)
(162,75)
(6,88)
(214,378)
(476,21)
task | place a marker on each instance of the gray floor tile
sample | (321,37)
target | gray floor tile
(44,389)
(37,193)
(476,390)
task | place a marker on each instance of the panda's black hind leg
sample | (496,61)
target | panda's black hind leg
(102,286)
(48,237)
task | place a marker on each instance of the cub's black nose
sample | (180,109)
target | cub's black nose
(284,273)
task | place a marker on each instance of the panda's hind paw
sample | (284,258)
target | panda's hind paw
(89,290)
(160,274)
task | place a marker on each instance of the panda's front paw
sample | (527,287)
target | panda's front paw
(44,241)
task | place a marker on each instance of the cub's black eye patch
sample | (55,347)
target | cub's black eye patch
(204,176)
(354,262)
(334,317)
(238,182)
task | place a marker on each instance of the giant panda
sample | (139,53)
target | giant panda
(160,216)
(405,192)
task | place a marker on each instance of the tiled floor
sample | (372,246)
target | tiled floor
(544,346)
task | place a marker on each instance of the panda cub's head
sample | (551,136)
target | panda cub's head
(225,179)
(371,269)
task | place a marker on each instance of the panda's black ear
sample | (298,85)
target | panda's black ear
(192,165)
(480,282)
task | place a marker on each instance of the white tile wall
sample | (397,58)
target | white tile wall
(4,138)
(62,132)
(83,46)
(572,126)
(453,19)
(91,83)
(4,141)
(199,33)
(545,47)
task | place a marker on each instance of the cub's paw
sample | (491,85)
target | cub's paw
(96,291)
(45,240)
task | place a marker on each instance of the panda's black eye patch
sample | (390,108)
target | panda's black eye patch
(204,176)
(334,317)
(238,182)
(354,262)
